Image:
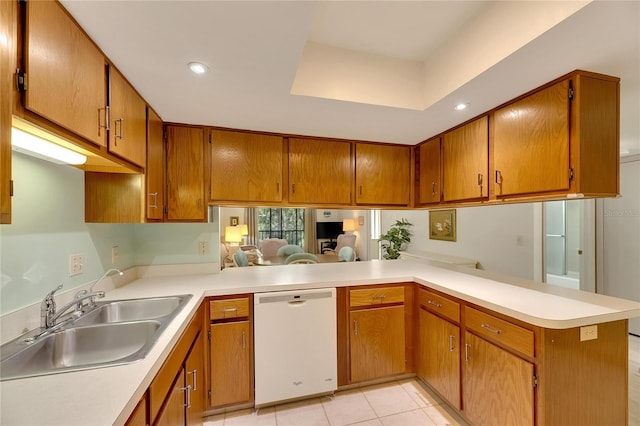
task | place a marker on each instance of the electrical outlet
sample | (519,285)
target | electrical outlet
(589,332)
(115,255)
(203,248)
(76,264)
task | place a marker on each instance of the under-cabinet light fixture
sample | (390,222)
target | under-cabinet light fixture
(37,147)
(198,67)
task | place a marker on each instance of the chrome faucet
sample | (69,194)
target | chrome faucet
(89,293)
(48,308)
(76,304)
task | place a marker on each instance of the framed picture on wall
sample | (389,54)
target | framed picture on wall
(235,220)
(442,225)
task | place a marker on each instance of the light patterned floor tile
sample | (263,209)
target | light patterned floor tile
(217,420)
(348,407)
(419,394)
(441,417)
(389,398)
(413,418)
(261,417)
(374,422)
(309,413)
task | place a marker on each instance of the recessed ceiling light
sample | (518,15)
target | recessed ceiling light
(461,106)
(198,68)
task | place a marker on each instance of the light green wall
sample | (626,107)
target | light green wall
(48,226)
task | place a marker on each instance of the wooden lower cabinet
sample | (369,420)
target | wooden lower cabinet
(195,382)
(231,363)
(139,415)
(498,387)
(172,412)
(439,356)
(377,343)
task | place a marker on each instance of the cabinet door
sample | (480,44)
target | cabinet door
(173,410)
(465,159)
(8,19)
(319,171)
(67,80)
(185,174)
(439,359)
(155,166)
(429,172)
(382,174)
(139,415)
(194,377)
(246,166)
(377,343)
(531,143)
(230,363)
(497,386)
(127,118)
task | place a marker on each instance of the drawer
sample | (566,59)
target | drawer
(229,308)
(498,330)
(440,305)
(376,296)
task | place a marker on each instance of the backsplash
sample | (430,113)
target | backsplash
(48,226)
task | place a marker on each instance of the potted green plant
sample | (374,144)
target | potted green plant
(395,239)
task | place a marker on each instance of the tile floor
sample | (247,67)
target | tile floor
(403,402)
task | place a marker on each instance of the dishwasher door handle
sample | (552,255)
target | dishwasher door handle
(296,302)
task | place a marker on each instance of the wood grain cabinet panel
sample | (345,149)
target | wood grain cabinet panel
(377,343)
(498,387)
(66,72)
(172,412)
(439,356)
(127,120)
(155,167)
(320,171)
(465,159)
(8,20)
(185,174)
(246,166)
(383,174)
(379,295)
(500,331)
(230,363)
(429,172)
(195,382)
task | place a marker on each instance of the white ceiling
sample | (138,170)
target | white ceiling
(392,70)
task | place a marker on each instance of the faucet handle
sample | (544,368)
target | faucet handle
(48,307)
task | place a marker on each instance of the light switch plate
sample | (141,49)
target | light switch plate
(589,332)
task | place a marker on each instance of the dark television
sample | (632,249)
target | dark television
(328,230)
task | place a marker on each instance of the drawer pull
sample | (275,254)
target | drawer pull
(491,329)
(229,310)
(434,303)
(466,351)
(380,296)
(451,348)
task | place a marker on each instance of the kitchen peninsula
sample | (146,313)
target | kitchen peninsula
(552,315)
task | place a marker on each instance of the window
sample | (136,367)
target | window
(281,223)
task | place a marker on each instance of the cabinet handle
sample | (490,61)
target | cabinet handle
(434,303)
(187,391)
(360,190)
(194,373)
(355,327)
(106,119)
(244,340)
(498,177)
(433,188)
(120,134)
(480,176)
(466,352)
(379,296)
(278,187)
(451,348)
(491,329)
(293,188)
(155,200)
(198,202)
(232,309)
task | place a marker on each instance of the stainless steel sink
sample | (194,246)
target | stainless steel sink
(131,310)
(114,333)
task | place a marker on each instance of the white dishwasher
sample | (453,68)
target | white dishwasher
(295,344)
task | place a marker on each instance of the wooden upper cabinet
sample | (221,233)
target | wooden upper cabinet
(383,174)
(246,166)
(320,171)
(185,174)
(66,72)
(465,159)
(8,19)
(429,172)
(127,120)
(531,143)
(155,167)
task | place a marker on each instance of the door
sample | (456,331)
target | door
(194,377)
(185,174)
(155,167)
(429,172)
(439,362)
(230,363)
(382,174)
(377,343)
(497,386)
(465,161)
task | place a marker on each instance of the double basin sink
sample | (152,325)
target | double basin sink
(113,333)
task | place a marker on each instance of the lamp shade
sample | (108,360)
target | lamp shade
(348,225)
(232,234)
(244,229)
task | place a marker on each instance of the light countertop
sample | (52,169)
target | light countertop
(107,396)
